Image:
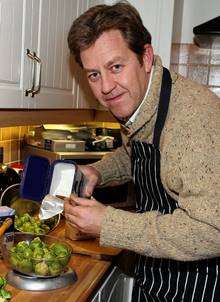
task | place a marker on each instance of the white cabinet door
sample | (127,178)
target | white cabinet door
(11,26)
(47,24)
(40,26)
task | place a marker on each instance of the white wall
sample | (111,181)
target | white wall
(190,13)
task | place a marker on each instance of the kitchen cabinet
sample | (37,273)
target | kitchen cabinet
(48,22)
(39,27)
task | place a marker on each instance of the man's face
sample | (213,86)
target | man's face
(115,75)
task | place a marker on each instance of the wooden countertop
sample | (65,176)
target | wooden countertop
(89,272)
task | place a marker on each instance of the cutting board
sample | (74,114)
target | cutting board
(88,247)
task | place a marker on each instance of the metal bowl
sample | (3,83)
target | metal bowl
(11,198)
(31,258)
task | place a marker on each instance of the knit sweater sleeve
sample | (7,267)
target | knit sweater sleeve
(191,174)
(115,166)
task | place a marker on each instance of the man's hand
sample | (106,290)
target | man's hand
(93,178)
(84,214)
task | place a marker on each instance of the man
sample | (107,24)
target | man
(170,131)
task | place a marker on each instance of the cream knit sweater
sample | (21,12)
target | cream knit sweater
(190,173)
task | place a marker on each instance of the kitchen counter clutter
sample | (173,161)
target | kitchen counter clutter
(89,261)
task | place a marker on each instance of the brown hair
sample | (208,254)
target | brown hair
(122,16)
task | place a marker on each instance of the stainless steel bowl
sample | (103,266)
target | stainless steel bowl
(28,262)
(11,198)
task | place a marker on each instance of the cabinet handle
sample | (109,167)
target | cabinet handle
(36,60)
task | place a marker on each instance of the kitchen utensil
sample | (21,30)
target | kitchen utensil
(6,224)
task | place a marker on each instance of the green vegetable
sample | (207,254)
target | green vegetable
(59,249)
(26,265)
(41,269)
(36,243)
(21,246)
(55,268)
(28,224)
(39,258)
(4,293)
(2,282)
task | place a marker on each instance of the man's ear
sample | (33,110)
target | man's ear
(148,57)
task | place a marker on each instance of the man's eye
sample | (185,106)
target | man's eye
(117,68)
(93,76)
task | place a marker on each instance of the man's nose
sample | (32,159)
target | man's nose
(108,83)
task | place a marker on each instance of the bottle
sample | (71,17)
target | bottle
(8,176)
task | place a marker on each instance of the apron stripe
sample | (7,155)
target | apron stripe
(185,285)
(216,280)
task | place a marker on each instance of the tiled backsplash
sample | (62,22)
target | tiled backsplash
(199,64)
(11,139)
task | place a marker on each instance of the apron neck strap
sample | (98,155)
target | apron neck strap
(163,106)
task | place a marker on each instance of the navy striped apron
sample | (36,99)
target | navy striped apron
(164,280)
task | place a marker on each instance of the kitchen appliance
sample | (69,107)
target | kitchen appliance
(64,145)
(207,34)
(28,279)
(76,139)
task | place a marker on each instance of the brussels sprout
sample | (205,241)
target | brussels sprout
(41,269)
(26,225)
(5,294)
(2,282)
(25,218)
(55,268)
(38,254)
(15,260)
(36,243)
(59,249)
(21,246)
(26,265)
(27,253)
(64,260)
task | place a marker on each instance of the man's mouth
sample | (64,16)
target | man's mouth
(113,98)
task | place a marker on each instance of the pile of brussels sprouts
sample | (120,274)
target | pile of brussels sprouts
(39,258)
(27,224)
